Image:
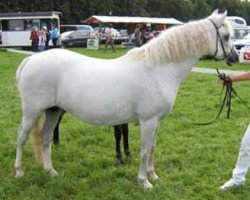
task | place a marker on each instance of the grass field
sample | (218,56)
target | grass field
(222,65)
(192,161)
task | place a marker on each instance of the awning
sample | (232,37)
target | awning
(118,19)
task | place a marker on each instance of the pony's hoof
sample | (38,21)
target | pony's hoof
(127,153)
(145,184)
(53,173)
(232,184)
(128,159)
(153,175)
(119,161)
(19,173)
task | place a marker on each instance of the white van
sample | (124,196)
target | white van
(241,32)
(237,22)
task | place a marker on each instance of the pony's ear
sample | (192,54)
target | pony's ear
(225,13)
(222,17)
(216,12)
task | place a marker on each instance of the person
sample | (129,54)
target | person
(149,36)
(34,37)
(144,32)
(54,36)
(42,39)
(109,36)
(47,37)
(243,162)
(137,35)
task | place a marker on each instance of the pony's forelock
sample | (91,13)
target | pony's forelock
(229,27)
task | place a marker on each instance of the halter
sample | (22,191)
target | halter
(221,43)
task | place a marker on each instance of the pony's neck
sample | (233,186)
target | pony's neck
(177,44)
(177,72)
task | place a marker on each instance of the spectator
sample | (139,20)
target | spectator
(55,36)
(137,35)
(34,37)
(47,38)
(149,36)
(109,36)
(42,39)
(143,34)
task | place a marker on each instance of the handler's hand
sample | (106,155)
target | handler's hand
(226,80)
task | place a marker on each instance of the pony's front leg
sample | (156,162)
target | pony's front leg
(151,170)
(125,139)
(148,129)
(118,135)
(56,130)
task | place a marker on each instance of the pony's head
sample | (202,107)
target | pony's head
(223,48)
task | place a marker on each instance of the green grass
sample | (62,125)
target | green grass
(192,161)
(222,65)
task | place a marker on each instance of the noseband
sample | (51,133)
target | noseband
(219,38)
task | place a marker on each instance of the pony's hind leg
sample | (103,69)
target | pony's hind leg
(148,129)
(51,118)
(27,124)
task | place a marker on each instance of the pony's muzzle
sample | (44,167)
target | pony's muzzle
(232,58)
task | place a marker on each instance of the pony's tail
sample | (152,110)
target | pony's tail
(36,138)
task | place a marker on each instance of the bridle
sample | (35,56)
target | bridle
(230,92)
(219,38)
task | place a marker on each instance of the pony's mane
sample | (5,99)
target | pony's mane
(177,43)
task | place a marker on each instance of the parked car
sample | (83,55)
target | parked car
(74,27)
(242,42)
(237,21)
(76,38)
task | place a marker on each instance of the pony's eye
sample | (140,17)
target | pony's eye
(226,37)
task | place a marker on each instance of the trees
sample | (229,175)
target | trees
(75,11)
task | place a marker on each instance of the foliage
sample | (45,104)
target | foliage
(192,161)
(77,10)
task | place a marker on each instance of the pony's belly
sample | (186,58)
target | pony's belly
(107,103)
(103,118)
(101,113)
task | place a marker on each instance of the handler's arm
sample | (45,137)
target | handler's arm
(240,77)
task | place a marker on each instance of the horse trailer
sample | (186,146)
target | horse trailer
(15,28)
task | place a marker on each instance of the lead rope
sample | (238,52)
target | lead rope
(229,94)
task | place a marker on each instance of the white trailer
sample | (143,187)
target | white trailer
(15,28)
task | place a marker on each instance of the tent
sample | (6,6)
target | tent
(136,20)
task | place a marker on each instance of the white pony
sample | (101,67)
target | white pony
(141,85)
